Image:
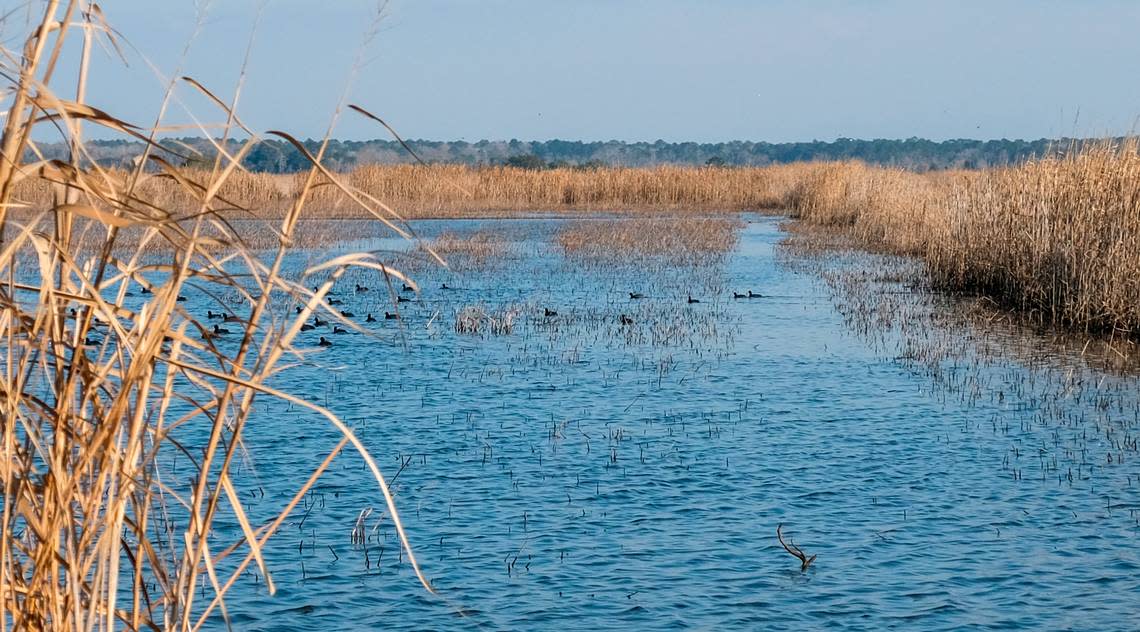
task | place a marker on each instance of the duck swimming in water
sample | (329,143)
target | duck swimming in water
(370,319)
(325,342)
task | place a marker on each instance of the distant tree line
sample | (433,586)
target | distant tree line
(274,156)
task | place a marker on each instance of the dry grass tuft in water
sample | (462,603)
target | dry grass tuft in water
(476,320)
(476,250)
(683,238)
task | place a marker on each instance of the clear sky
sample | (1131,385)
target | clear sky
(700,70)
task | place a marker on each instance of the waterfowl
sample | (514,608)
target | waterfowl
(692,300)
(756,295)
(739,295)
(444,287)
(360,288)
(390,315)
(325,342)
(212,314)
(221,331)
(339,330)
(370,319)
(549,312)
(90,342)
(408,288)
(347,314)
(145,290)
(401,299)
(231,319)
(181,299)
(335,301)
(300,309)
(307,327)
(626,320)
(317,322)
(636,295)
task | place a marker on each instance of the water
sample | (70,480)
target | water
(575,474)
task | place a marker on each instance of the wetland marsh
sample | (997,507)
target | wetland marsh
(609,462)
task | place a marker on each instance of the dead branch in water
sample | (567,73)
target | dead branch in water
(797,552)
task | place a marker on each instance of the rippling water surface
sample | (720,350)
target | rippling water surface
(583,473)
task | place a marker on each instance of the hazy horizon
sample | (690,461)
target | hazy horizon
(638,71)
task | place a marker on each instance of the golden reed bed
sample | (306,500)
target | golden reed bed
(458,191)
(1057,239)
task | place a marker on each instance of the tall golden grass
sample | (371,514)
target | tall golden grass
(93,385)
(1057,238)
(461,191)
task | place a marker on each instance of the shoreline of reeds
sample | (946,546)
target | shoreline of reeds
(1055,240)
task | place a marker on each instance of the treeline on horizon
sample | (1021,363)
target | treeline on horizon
(915,154)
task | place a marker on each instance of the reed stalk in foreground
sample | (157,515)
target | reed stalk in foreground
(94,386)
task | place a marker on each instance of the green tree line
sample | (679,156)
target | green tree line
(917,154)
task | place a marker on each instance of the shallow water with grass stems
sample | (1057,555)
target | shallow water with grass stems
(589,471)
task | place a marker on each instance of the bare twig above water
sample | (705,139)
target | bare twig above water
(795,551)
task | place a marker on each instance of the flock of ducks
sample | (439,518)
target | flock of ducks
(634,296)
(219,330)
(317,321)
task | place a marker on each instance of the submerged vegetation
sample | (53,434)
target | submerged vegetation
(679,238)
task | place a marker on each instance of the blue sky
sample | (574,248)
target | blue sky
(701,70)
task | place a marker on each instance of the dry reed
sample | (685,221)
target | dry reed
(95,534)
(1058,238)
(419,191)
(678,238)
